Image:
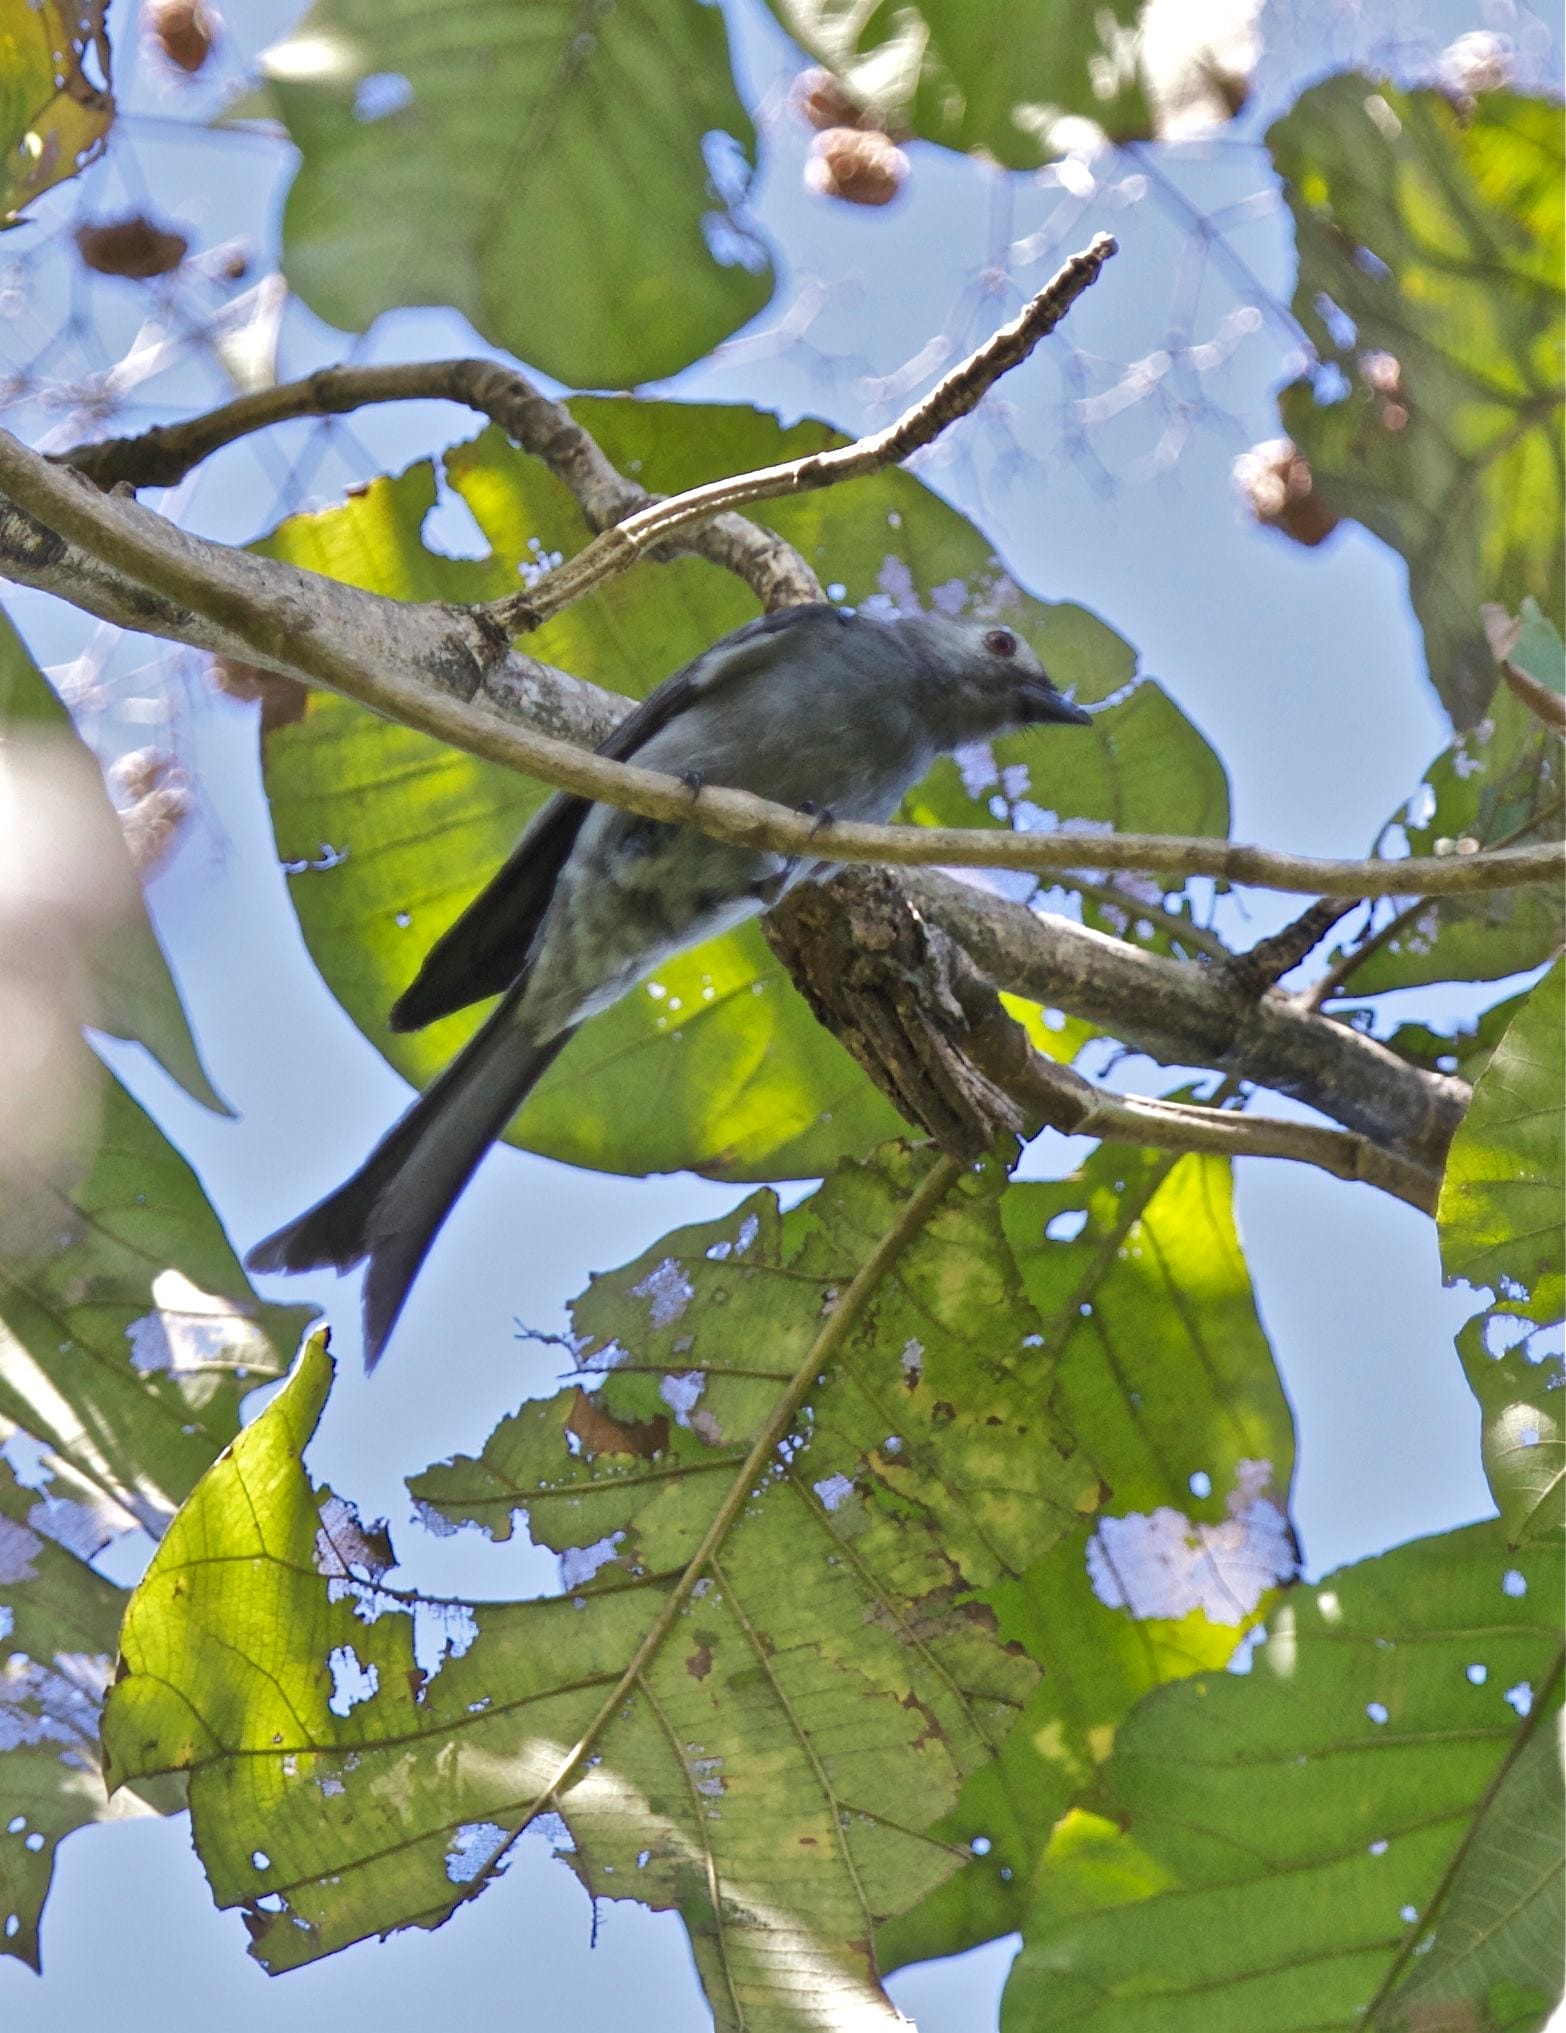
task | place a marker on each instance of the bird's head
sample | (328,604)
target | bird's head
(984,680)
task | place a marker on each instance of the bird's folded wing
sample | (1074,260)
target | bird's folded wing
(487,948)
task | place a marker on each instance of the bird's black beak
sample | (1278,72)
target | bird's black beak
(1042,703)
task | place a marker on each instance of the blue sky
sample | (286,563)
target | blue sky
(1304,669)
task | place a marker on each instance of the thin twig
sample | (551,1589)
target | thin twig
(954,396)
(1180,930)
(162,456)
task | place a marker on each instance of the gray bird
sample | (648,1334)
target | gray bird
(816,708)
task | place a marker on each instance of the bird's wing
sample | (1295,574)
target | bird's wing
(484,952)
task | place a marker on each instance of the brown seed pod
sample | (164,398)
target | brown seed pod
(825,101)
(282,699)
(183,31)
(1276,480)
(859,165)
(132,247)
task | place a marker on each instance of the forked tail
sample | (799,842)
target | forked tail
(392,1208)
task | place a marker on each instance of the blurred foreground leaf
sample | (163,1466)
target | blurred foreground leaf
(84,862)
(570,180)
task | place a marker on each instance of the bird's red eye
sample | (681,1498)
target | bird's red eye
(1001,642)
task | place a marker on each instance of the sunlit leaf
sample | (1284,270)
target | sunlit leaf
(1267,1849)
(771,1664)
(54,120)
(746,1082)
(1166,1380)
(1500,1223)
(571,181)
(1430,262)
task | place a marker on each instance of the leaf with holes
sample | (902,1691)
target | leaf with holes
(814,1437)
(1430,255)
(1275,1848)
(471,157)
(1165,1378)
(1500,1224)
(747,1084)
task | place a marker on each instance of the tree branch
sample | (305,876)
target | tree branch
(162,456)
(1184,1014)
(931,1031)
(954,396)
(335,635)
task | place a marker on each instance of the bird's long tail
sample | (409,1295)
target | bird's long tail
(392,1208)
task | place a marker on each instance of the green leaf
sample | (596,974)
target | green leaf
(59,1623)
(128,1333)
(1142,767)
(1266,1849)
(1504,1913)
(135,996)
(1166,1380)
(813,1437)
(53,120)
(128,1340)
(1500,1226)
(537,167)
(747,1084)
(1434,228)
(1499,783)
(1011,81)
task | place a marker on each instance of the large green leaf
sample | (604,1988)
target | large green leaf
(1013,81)
(1500,1223)
(1166,1380)
(134,993)
(1430,262)
(539,166)
(747,1084)
(1272,1849)
(128,1339)
(814,1436)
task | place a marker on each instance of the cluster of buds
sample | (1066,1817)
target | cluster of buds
(1382,375)
(154,798)
(182,32)
(853,157)
(1276,480)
